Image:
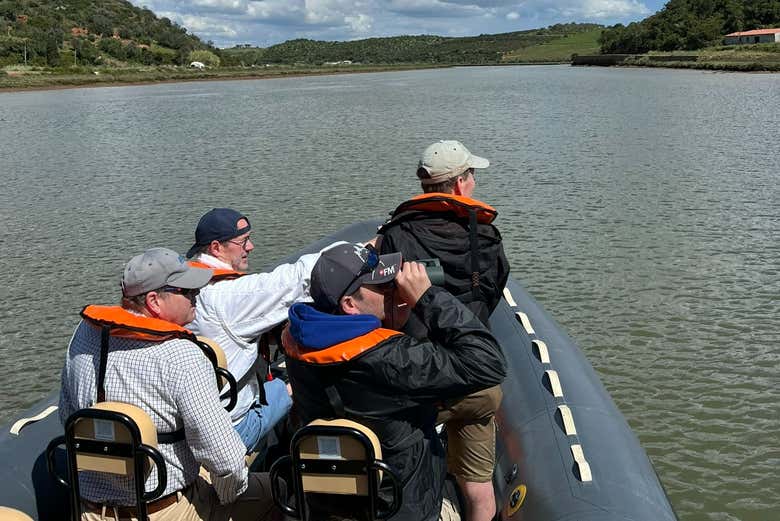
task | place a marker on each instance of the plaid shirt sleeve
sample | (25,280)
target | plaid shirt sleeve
(210,434)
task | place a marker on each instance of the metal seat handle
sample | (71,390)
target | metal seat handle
(232,392)
(162,473)
(276,489)
(51,464)
(395,482)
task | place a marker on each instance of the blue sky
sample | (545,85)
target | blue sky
(266,22)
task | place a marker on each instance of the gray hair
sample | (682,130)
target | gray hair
(446,186)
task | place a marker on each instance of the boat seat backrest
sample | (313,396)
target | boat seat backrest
(221,358)
(92,434)
(325,444)
(334,469)
(111,438)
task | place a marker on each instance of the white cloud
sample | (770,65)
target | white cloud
(208,26)
(588,10)
(275,10)
(435,8)
(512,15)
(360,23)
(605,9)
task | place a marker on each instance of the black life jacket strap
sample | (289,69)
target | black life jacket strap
(473,240)
(171,437)
(334,398)
(105,333)
(252,373)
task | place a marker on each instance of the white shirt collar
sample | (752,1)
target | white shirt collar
(213,262)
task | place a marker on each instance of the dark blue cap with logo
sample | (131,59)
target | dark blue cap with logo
(219,224)
(342,269)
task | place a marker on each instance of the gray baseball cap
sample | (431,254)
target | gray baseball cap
(158,267)
(445,159)
(342,269)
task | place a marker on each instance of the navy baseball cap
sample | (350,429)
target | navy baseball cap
(342,269)
(218,224)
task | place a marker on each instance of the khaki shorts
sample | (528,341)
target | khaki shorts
(471,434)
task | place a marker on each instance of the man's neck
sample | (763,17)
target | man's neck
(213,262)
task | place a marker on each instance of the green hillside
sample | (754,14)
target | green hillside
(89,32)
(562,39)
(690,25)
(557,50)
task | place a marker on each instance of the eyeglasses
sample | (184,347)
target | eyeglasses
(243,242)
(189,293)
(369,265)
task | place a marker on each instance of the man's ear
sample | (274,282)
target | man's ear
(153,303)
(214,249)
(457,189)
(349,305)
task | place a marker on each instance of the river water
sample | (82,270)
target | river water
(640,207)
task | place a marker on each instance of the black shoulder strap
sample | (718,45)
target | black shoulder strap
(474,253)
(170,437)
(334,398)
(254,372)
(105,333)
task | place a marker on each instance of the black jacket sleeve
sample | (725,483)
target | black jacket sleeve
(459,357)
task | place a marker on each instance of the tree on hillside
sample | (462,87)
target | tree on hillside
(207,58)
(52,50)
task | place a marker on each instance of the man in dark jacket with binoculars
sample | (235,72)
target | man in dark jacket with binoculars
(343,364)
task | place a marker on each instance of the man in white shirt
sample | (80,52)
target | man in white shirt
(236,308)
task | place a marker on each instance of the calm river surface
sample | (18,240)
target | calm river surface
(640,207)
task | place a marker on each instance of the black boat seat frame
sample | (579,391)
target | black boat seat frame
(334,458)
(114,438)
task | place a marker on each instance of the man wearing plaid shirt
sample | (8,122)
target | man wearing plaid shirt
(173,382)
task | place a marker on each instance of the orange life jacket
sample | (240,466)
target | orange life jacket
(119,322)
(122,323)
(338,353)
(441,202)
(219,273)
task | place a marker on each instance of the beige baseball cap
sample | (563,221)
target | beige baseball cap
(446,159)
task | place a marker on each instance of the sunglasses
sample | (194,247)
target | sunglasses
(369,265)
(189,293)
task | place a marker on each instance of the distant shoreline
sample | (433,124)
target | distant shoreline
(27,83)
(715,61)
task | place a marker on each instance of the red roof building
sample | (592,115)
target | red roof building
(754,36)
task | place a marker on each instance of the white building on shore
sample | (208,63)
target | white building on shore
(754,36)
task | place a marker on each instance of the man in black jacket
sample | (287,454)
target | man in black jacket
(343,364)
(447,224)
